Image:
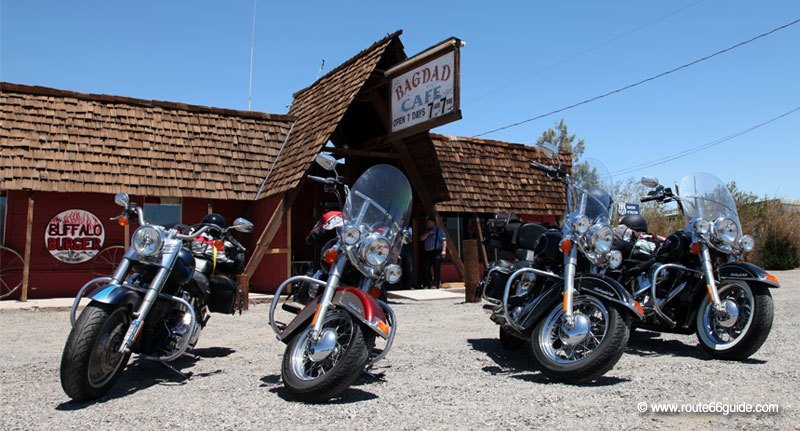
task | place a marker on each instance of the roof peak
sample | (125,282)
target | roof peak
(7,87)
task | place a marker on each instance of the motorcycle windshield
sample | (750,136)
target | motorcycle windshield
(706,196)
(379,201)
(592,191)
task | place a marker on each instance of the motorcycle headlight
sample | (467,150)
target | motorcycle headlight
(601,237)
(147,240)
(747,243)
(351,235)
(702,226)
(614,259)
(393,273)
(374,250)
(582,224)
(726,230)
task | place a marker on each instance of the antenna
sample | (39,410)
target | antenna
(321,66)
(252,44)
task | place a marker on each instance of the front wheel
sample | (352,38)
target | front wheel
(587,349)
(318,371)
(743,328)
(92,362)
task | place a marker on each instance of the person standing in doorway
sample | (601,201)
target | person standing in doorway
(435,243)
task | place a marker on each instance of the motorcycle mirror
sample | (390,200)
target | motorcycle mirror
(550,150)
(122,199)
(242,225)
(327,161)
(651,182)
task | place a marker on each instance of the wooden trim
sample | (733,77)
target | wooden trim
(361,153)
(277,250)
(289,243)
(480,241)
(26,260)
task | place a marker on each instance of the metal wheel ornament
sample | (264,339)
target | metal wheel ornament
(565,345)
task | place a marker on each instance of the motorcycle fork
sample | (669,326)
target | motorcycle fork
(711,284)
(327,297)
(570,266)
(154,289)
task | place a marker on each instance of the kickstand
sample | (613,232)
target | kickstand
(175,370)
(373,375)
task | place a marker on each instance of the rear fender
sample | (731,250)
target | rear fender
(116,295)
(355,301)
(746,271)
(609,290)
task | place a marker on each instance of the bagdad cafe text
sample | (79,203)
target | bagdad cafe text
(425,88)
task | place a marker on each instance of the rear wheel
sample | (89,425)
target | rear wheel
(92,362)
(744,327)
(585,351)
(318,371)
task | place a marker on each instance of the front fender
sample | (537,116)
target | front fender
(355,301)
(116,295)
(610,290)
(746,271)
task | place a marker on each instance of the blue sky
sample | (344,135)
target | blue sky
(198,52)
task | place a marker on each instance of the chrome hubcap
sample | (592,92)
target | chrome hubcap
(312,359)
(567,344)
(323,348)
(722,331)
(106,358)
(730,315)
(577,332)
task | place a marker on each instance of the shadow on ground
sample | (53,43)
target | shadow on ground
(649,343)
(518,363)
(141,374)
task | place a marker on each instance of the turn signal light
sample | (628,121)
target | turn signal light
(382,326)
(772,278)
(638,306)
(564,301)
(219,244)
(331,255)
(122,221)
(565,245)
(695,248)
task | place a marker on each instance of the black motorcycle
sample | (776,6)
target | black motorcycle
(557,295)
(155,304)
(696,281)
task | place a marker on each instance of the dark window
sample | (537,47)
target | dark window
(167,213)
(2,218)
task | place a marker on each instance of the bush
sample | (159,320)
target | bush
(777,234)
(778,252)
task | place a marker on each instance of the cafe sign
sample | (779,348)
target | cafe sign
(425,88)
(74,236)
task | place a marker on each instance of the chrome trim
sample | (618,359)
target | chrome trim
(489,272)
(275,298)
(506,315)
(75,303)
(390,338)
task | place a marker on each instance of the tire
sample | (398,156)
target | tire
(341,372)
(84,376)
(755,327)
(509,341)
(598,360)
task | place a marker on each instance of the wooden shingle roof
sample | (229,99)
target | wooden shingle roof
(55,140)
(486,176)
(319,109)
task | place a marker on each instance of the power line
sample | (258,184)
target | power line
(252,45)
(586,51)
(702,147)
(643,81)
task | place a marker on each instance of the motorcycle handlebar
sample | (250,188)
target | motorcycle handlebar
(192,236)
(649,198)
(322,180)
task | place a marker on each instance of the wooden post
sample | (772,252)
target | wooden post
(480,241)
(289,247)
(26,262)
(470,249)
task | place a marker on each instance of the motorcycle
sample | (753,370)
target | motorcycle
(155,304)
(322,236)
(696,281)
(558,297)
(332,339)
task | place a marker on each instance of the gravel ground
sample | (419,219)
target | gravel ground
(447,371)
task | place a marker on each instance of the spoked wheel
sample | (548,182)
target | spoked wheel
(106,261)
(318,371)
(742,328)
(587,349)
(92,362)
(10,272)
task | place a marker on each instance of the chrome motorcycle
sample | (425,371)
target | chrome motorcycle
(155,304)
(559,298)
(697,281)
(332,340)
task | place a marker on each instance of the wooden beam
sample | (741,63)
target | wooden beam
(361,153)
(480,241)
(26,261)
(470,247)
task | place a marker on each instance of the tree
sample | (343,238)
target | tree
(561,138)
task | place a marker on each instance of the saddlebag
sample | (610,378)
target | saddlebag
(494,281)
(224,295)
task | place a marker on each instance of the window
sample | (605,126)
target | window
(166,213)
(2,217)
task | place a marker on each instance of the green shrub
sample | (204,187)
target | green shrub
(779,252)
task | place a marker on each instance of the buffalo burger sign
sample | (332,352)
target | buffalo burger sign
(74,236)
(425,88)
